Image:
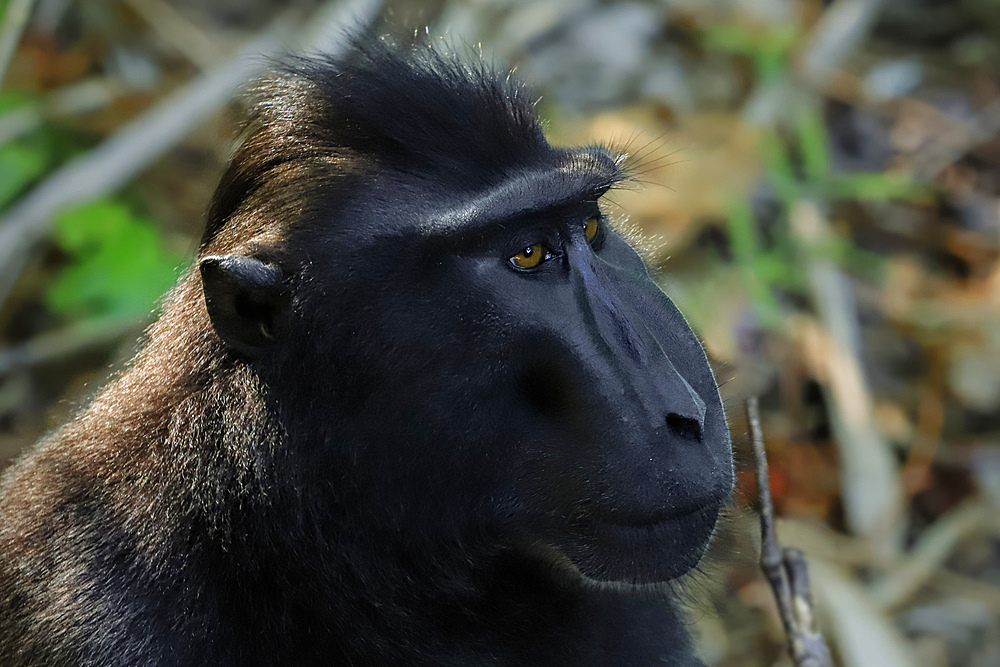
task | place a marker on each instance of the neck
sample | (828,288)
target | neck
(384,606)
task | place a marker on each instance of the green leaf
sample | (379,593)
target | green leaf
(875,187)
(12,99)
(813,144)
(780,173)
(862,262)
(728,37)
(21,162)
(743,239)
(118,267)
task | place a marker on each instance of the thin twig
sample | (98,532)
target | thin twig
(770,552)
(786,569)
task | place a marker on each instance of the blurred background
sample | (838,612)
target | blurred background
(818,186)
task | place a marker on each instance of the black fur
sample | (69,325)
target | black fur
(359,435)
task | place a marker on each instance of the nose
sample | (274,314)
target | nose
(623,321)
(667,398)
(665,390)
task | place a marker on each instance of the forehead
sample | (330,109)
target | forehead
(446,204)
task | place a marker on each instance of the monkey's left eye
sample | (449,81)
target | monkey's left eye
(531,257)
(590,229)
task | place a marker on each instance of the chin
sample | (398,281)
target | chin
(637,556)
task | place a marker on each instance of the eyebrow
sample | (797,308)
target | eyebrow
(586,175)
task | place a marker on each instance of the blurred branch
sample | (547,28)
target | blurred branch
(184,37)
(946,148)
(904,578)
(65,342)
(864,636)
(145,138)
(843,26)
(786,569)
(955,584)
(78,98)
(14,20)
(871,488)
(819,540)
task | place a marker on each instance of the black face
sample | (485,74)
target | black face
(485,361)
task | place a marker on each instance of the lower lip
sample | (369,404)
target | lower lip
(650,523)
(673,530)
(641,552)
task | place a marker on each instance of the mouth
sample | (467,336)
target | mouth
(637,550)
(651,521)
(677,533)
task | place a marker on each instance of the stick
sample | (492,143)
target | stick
(786,569)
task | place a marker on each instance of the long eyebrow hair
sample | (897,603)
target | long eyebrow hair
(585,176)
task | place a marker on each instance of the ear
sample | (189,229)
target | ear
(247,301)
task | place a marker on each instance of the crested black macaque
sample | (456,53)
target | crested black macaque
(418,404)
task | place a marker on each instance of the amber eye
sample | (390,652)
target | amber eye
(530,257)
(590,229)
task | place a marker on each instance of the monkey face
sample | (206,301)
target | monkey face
(644,464)
(525,368)
(492,361)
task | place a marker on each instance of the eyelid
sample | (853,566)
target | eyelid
(527,259)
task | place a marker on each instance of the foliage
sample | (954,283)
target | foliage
(118,266)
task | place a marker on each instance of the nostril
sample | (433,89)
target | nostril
(687,427)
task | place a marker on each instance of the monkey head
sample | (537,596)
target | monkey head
(458,342)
